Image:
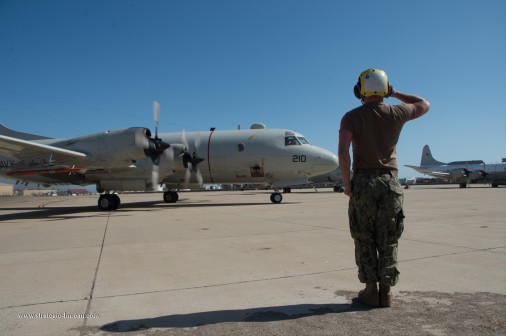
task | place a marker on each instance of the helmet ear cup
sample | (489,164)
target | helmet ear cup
(356,90)
(390,90)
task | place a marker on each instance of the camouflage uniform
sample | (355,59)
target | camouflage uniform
(376,223)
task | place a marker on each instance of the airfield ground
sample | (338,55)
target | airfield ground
(232,263)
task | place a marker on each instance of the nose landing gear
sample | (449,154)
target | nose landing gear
(276,197)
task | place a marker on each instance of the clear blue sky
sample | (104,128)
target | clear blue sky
(71,68)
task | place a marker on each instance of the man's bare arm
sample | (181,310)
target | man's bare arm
(344,159)
(422,106)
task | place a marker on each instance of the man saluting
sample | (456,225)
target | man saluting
(376,196)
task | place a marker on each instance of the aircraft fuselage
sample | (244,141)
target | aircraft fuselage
(275,157)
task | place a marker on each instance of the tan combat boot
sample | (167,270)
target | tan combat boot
(385,296)
(369,295)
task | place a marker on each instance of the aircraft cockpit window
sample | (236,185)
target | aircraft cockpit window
(303,140)
(291,140)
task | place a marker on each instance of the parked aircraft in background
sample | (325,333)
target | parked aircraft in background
(333,176)
(464,172)
(407,181)
(336,178)
(133,160)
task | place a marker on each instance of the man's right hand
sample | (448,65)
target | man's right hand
(347,189)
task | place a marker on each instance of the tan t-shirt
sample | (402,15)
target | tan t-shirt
(376,129)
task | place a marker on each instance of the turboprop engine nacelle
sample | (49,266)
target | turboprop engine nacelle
(114,148)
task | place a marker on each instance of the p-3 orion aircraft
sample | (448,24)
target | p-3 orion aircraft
(463,172)
(133,160)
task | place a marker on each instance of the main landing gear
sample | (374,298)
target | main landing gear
(107,202)
(170,196)
(173,197)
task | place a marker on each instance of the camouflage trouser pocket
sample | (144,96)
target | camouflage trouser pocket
(394,210)
(399,221)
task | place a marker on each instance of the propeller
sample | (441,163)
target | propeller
(474,174)
(191,161)
(156,147)
(156,116)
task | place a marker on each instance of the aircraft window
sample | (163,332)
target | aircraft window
(240,147)
(303,140)
(291,140)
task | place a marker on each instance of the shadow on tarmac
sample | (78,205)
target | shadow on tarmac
(263,314)
(52,213)
(49,213)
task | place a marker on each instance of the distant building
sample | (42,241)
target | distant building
(38,192)
(6,190)
(77,192)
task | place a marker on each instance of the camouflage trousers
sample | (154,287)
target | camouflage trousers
(376,224)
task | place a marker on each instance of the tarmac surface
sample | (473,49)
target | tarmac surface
(232,263)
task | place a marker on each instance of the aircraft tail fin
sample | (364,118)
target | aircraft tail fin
(19,135)
(428,159)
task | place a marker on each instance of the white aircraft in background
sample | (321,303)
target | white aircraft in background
(132,160)
(333,176)
(463,171)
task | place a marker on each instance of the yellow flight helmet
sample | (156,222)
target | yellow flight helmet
(372,82)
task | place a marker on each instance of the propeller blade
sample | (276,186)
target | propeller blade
(155,175)
(156,145)
(187,175)
(170,154)
(191,161)
(184,140)
(197,142)
(156,116)
(200,180)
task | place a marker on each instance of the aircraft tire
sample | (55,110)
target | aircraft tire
(117,201)
(276,198)
(107,202)
(338,189)
(170,197)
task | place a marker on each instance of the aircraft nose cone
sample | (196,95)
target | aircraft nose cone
(324,162)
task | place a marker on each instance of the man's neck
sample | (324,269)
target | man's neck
(372,99)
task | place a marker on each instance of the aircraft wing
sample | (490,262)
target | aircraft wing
(418,169)
(439,174)
(24,150)
(422,170)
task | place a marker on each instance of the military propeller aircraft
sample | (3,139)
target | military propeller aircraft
(133,160)
(333,176)
(464,172)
